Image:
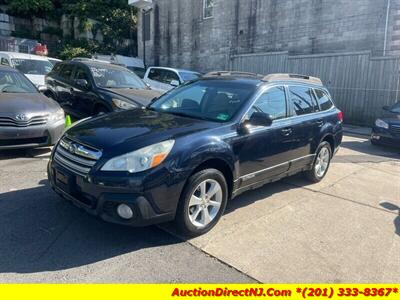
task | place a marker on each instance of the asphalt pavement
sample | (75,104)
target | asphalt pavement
(46,239)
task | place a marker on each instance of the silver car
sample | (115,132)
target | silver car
(28,119)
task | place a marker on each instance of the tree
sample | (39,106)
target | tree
(29,8)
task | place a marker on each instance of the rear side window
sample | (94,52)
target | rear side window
(56,69)
(66,72)
(155,74)
(301,100)
(164,76)
(323,99)
(170,76)
(5,62)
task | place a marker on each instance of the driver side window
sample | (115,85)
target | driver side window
(272,102)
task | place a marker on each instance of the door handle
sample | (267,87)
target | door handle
(320,122)
(286,131)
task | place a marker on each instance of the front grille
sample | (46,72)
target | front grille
(76,157)
(395,129)
(33,121)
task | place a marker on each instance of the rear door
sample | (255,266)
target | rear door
(304,124)
(264,152)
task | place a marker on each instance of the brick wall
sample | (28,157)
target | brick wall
(180,37)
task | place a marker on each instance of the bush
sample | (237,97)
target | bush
(70,52)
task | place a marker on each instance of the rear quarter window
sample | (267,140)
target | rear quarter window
(301,100)
(323,99)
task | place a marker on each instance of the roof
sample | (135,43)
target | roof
(98,64)
(23,55)
(174,69)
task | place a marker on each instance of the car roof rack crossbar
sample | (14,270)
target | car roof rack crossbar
(294,77)
(231,73)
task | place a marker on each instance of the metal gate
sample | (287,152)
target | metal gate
(360,84)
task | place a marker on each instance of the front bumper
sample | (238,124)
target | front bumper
(385,137)
(31,136)
(151,202)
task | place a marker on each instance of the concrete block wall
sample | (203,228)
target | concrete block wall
(180,37)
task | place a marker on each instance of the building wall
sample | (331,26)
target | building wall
(180,37)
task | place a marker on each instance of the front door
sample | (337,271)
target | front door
(263,152)
(83,97)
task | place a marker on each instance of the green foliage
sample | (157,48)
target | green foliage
(70,52)
(115,18)
(29,8)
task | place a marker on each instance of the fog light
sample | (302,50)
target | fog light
(124,211)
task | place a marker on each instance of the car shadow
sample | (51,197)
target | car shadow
(26,153)
(40,232)
(365,146)
(395,208)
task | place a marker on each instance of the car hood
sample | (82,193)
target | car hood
(141,96)
(37,80)
(12,104)
(391,117)
(126,131)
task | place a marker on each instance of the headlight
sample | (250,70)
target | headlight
(381,123)
(57,116)
(140,160)
(123,104)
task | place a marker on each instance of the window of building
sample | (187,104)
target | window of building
(302,101)
(323,99)
(208,9)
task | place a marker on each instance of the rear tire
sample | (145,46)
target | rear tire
(202,203)
(321,163)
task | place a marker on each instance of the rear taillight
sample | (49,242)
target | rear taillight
(340,116)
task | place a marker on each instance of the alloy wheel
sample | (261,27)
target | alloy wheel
(205,203)
(322,162)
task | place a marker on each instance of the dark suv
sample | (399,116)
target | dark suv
(86,87)
(196,147)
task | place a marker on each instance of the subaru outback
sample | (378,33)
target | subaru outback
(183,157)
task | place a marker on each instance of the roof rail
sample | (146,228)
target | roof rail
(231,73)
(294,77)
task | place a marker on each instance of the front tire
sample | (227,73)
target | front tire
(202,203)
(321,163)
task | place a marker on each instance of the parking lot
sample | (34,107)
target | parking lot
(346,228)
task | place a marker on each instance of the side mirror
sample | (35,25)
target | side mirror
(260,119)
(386,107)
(42,88)
(174,83)
(82,83)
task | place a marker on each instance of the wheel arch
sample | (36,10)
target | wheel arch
(221,165)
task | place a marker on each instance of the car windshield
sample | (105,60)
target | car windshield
(187,76)
(214,100)
(14,82)
(395,108)
(32,66)
(116,78)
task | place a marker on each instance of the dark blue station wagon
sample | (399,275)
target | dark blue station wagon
(183,157)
